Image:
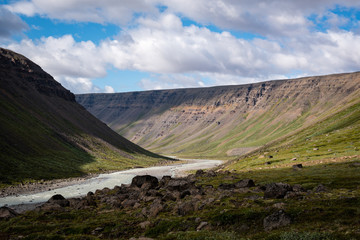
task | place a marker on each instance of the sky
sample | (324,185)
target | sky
(93,46)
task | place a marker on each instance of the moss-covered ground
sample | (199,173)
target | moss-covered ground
(331,214)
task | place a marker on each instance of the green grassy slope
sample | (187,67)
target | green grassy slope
(223,122)
(45,134)
(333,139)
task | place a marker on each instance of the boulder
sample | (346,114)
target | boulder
(226,186)
(155,208)
(150,181)
(186,208)
(320,188)
(199,173)
(276,190)
(245,183)
(297,166)
(211,173)
(276,220)
(180,184)
(145,224)
(59,200)
(164,181)
(202,225)
(7,213)
(127,203)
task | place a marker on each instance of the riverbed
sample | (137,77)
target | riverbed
(109,180)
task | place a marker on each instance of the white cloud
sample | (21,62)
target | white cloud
(170,81)
(109,89)
(181,56)
(64,56)
(10,23)
(120,12)
(265,17)
(192,56)
(77,85)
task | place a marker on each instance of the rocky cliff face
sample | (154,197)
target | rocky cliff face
(45,133)
(222,121)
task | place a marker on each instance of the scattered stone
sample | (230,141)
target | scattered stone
(320,188)
(280,205)
(356,164)
(164,180)
(7,213)
(262,156)
(315,149)
(293,159)
(199,173)
(127,203)
(211,173)
(185,193)
(244,228)
(155,208)
(276,220)
(276,190)
(297,166)
(268,163)
(202,225)
(150,181)
(226,186)
(59,200)
(186,208)
(270,156)
(245,183)
(179,184)
(97,230)
(145,224)
(298,188)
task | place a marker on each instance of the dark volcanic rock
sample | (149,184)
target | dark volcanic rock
(186,208)
(179,184)
(59,200)
(245,183)
(6,213)
(150,181)
(297,166)
(276,190)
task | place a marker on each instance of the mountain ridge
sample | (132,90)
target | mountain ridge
(46,134)
(187,121)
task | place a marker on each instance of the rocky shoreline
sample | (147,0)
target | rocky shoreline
(42,185)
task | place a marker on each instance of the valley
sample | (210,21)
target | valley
(292,151)
(223,122)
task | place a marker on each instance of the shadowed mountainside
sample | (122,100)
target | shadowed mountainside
(224,121)
(45,133)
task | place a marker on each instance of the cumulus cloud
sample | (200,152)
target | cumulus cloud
(181,56)
(119,12)
(64,56)
(264,17)
(10,23)
(193,56)
(72,63)
(170,81)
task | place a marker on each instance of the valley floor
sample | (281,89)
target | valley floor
(313,202)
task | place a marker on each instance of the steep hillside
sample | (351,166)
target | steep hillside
(223,122)
(44,133)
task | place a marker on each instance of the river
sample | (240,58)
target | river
(109,180)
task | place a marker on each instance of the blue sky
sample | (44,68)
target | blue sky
(135,45)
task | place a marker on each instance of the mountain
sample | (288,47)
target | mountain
(226,121)
(45,133)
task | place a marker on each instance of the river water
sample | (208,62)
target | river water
(109,180)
